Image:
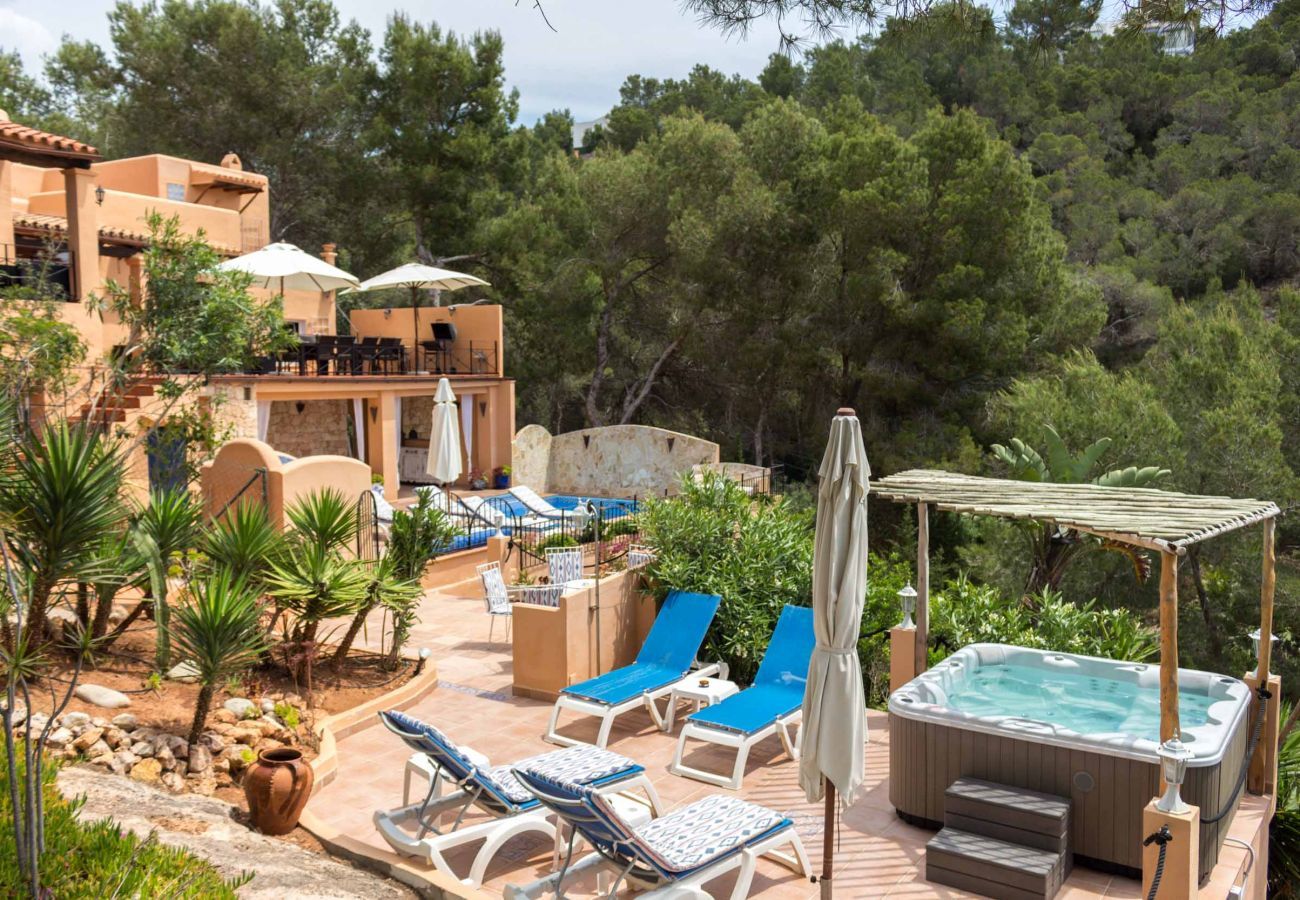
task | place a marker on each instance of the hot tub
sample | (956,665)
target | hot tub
(1075,726)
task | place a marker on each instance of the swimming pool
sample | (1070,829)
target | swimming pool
(609,508)
(1074,726)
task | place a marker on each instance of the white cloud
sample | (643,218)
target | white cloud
(26,35)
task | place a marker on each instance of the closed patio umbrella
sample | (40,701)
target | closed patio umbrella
(834,706)
(444,437)
(418,277)
(284,267)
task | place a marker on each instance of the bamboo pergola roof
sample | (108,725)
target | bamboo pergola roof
(1165,521)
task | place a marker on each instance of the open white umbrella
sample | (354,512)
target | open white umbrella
(417,277)
(444,437)
(834,706)
(284,267)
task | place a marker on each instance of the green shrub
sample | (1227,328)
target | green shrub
(287,713)
(965,613)
(1284,830)
(555,540)
(93,860)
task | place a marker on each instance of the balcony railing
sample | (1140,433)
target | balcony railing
(24,276)
(328,356)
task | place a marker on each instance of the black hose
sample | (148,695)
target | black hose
(1161,837)
(1264,695)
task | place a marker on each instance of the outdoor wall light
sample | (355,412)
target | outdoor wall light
(99,195)
(388,313)
(425,653)
(1173,767)
(907,599)
(300,406)
(1254,644)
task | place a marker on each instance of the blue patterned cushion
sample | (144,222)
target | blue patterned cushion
(572,765)
(448,750)
(690,837)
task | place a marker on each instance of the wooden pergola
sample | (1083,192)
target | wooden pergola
(1162,521)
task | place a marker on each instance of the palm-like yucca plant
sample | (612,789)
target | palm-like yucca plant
(324,518)
(385,588)
(220,632)
(312,584)
(244,542)
(58,498)
(1053,548)
(167,526)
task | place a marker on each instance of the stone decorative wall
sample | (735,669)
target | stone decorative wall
(417,413)
(614,461)
(234,411)
(321,429)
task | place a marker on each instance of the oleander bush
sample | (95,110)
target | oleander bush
(95,860)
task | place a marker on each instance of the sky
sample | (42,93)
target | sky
(579,66)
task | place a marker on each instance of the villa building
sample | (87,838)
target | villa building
(58,193)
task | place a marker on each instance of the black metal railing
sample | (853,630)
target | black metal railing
(325,356)
(29,275)
(612,523)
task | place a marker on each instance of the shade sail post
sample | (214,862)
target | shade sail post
(1169,725)
(922,585)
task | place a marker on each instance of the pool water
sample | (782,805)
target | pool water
(1087,704)
(611,508)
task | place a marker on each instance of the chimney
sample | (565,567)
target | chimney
(329,253)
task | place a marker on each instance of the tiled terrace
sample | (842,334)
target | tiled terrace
(878,855)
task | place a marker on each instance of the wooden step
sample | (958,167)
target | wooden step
(993,868)
(1008,813)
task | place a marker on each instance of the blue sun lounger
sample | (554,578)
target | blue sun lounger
(495,790)
(773,704)
(672,855)
(666,657)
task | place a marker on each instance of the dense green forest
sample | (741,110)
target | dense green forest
(967,228)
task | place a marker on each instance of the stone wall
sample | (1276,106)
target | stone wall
(234,412)
(321,429)
(417,413)
(614,461)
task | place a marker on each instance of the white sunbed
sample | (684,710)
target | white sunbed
(540,506)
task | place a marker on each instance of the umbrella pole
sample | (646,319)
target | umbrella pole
(415,337)
(828,842)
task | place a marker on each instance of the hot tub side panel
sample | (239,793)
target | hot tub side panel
(1107,796)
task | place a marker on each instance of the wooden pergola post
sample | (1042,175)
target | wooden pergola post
(922,585)
(1261,777)
(1169,725)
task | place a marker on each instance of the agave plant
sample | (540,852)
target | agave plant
(219,630)
(244,542)
(324,518)
(58,497)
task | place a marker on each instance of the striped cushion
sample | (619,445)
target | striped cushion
(574,765)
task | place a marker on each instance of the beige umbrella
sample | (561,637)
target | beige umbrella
(834,706)
(418,277)
(444,437)
(284,267)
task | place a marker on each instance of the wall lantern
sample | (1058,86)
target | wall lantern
(99,195)
(300,406)
(1173,767)
(482,407)
(907,600)
(1254,643)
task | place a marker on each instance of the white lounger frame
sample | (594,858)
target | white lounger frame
(607,713)
(692,886)
(742,743)
(494,833)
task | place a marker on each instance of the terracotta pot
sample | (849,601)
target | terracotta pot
(277,787)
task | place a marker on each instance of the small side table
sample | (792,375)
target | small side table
(689,688)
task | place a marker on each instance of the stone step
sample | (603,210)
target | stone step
(993,868)
(1008,813)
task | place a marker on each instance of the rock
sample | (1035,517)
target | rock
(268,705)
(104,759)
(212,741)
(164,755)
(221,728)
(200,759)
(103,697)
(293,700)
(99,748)
(239,757)
(75,719)
(240,707)
(267,744)
(221,764)
(126,758)
(245,735)
(148,771)
(99,721)
(142,749)
(87,738)
(59,738)
(224,716)
(117,614)
(126,722)
(115,737)
(204,783)
(178,745)
(269,726)
(184,672)
(173,782)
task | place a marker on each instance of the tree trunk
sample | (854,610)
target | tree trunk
(1203,598)
(83,603)
(103,609)
(126,623)
(358,621)
(201,708)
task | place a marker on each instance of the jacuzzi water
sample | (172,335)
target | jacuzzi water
(1088,704)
